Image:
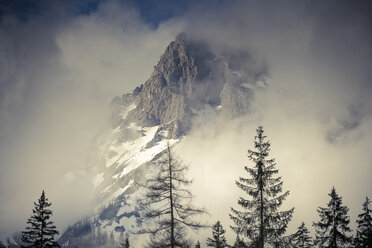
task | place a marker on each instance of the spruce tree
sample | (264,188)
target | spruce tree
(40,232)
(333,227)
(218,240)
(239,243)
(364,229)
(261,221)
(168,210)
(301,238)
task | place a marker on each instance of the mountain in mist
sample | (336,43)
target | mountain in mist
(190,78)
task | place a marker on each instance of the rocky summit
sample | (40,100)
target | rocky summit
(190,76)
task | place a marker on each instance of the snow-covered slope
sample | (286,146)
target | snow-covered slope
(124,154)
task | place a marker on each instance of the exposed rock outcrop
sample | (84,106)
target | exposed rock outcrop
(189,75)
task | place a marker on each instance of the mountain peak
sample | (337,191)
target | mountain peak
(181,37)
(165,97)
(188,76)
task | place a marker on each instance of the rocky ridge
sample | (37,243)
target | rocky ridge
(189,77)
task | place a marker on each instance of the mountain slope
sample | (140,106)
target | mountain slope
(189,77)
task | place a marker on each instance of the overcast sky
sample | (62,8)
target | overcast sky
(61,63)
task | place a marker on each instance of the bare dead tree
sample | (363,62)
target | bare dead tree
(167,204)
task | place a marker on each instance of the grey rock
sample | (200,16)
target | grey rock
(235,100)
(189,75)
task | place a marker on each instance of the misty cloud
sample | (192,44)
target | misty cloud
(316,109)
(59,73)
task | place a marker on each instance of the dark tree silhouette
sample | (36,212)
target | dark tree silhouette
(239,243)
(261,221)
(197,244)
(333,228)
(40,232)
(301,238)
(167,203)
(218,239)
(364,229)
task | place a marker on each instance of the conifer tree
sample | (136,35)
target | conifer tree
(167,205)
(301,238)
(197,244)
(40,232)
(218,240)
(239,243)
(261,221)
(333,228)
(364,229)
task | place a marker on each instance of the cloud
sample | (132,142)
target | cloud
(58,74)
(315,110)
(308,163)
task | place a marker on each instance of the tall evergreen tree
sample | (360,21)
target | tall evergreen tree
(40,232)
(301,238)
(167,204)
(364,230)
(333,228)
(261,221)
(218,239)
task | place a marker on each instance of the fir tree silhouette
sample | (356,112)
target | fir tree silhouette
(333,227)
(364,229)
(40,230)
(218,240)
(302,239)
(261,221)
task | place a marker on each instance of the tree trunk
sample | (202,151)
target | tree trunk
(171,197)
(261,207)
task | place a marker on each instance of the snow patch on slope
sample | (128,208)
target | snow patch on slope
(144,156)
(122,190)
(126,150)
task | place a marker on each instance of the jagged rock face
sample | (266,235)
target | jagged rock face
(189,77)
(184,65)
(234,100)
(174,87)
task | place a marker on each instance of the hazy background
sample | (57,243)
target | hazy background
(59,73)
(61,63)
